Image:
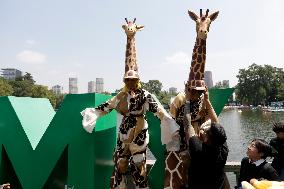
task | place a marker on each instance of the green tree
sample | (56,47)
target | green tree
(39,91)
(164,98)
(5,88)
(28,77)
(153,86)
(58,100)
(259,84)
(280,94)
(21,88)
(221,84)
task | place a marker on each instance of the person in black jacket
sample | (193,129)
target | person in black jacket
(277,145)
(208,152)
(255,165)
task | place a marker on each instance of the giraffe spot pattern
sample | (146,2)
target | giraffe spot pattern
(140,139)
(200,50)
(128,122)
(104,107)
(204,57)
(140,180)
(199,59)
(138,101)
(194,56)
(172,161)
(126,68)
(202,68)
(197,67)
(127,53)
(197,76)
(179,121)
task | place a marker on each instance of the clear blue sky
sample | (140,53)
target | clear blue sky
(57,39)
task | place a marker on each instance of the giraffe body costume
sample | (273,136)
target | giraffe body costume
(178,158)
(133,135)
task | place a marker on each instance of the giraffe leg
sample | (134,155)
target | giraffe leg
(176,171)
(117,177)
(185,159)
(121,162)
(138,170)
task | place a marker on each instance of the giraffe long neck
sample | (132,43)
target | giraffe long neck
(198,59)
(130,54)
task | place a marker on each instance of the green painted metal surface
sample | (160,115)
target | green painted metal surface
(219,97)
(35,154)
(64,140)
(42,115)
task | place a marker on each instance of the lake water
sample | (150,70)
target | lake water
(242,127)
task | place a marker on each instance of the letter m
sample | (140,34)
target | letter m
(44,149)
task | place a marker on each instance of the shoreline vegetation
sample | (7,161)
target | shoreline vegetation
(259,108)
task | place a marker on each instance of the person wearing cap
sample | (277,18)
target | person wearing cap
(208,154)
(131,103)
(201,110)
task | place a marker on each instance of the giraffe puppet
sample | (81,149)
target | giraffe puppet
(178,159)
(131,104)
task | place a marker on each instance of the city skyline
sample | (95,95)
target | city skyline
(85,39)
(98,85)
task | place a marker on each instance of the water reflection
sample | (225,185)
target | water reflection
(242,127)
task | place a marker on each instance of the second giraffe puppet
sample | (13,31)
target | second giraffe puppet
(201,110)
(131,104)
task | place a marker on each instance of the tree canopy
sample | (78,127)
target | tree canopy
(153,86)
(25,87)
(260,84)
(5,88)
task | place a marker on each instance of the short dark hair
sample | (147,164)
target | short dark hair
(278,127)
(263,147)
(217,134)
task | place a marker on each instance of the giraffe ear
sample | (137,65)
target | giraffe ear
(213,16)
(124,27)
(193,16)
(139,28)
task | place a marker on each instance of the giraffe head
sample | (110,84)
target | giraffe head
(131,67)
(131,28)
(203,22)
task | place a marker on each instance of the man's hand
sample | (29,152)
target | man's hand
(6,186)
(206,93)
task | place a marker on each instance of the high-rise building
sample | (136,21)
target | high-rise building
(91,87)
(11,73)
(172,90)
(73,87)
(99,85)
(208,79)
(57,89)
